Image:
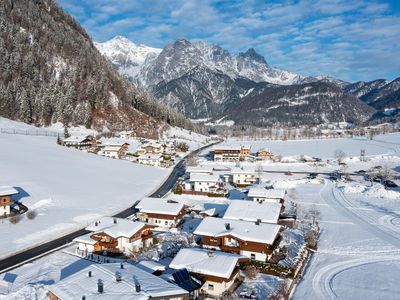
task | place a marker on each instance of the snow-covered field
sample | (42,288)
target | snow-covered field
(68,188)
(325,148)
(358,254)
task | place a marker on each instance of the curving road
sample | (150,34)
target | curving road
(19,258)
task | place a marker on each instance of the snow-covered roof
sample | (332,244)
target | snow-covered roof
(267,212)
(7,190)
(124,228)
(150,265)
(243,170)
(199,169)
(206,262)
(75,138)
(159,206)
(116,227)
(204,177)
(85,239)
(112,148)
(243,230)
(80,284)
(226,147)
(260,192)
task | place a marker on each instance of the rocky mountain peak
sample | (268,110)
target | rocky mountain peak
(253,55)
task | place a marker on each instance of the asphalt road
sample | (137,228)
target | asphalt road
(168,184)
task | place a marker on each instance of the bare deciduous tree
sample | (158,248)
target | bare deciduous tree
(340,156)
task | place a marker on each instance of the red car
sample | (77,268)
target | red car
(289,173)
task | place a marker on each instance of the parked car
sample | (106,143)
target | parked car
(312,176)
(289,173)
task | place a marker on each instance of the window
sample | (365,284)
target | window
(166,222)
(252,256)
(210,287)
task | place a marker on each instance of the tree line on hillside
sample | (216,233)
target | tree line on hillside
(51,72)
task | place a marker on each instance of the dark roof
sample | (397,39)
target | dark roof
(183,279)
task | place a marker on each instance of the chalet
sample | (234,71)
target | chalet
(261,194)
(204,184)
(256,241)
(160,212)
(79,142)
(125,135)
(115,150)
(217,271)
(245,210)
(244,176)
(150,148)
(6,193)
(116,236)
(150,159)
(264,154)
(114,281)
(230,153)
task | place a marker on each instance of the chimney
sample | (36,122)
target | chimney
(227,226)
(89,274)
(118,276)
(83,297)
(258,222)
(138,287)
(100,286)
(115,221)
(121,265)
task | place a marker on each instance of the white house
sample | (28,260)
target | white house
(125,135)
(252,211)
(6,193)
(243,176)
(256,241)
(204,183)
(81,142)
(115,150)
(160,212)
(150,159)
(261,194)
(216,270)
(114,282)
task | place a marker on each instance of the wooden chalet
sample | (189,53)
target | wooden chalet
(264,154)
(79,142)
(254,240)
(6,201)
(161,212)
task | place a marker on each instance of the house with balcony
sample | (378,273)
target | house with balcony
(218,272)
(243,176)
(204,184)
(160,212)
(254,240)
(115,150)
(6,201)
(79,141)
(116,235)
(150,159)
(264,154)
(226,153)
(261,194)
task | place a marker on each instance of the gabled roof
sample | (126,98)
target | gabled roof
(226,147)
(199,169)
(246,231)
(76,138)
(122,227)
(267,212)
(203,177)
(80,284)
(206,262)
(7,190)
(159,206)
(260,192)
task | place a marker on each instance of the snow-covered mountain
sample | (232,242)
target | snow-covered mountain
(125,55)
(203,80)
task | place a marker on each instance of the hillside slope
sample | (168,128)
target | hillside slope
(51,71)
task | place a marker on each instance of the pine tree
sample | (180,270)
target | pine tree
(66,132)
(59,142)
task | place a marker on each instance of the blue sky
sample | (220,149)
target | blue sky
(351,40)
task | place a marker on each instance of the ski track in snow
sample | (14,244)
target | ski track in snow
(386,228)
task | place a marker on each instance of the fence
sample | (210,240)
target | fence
(38,132)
